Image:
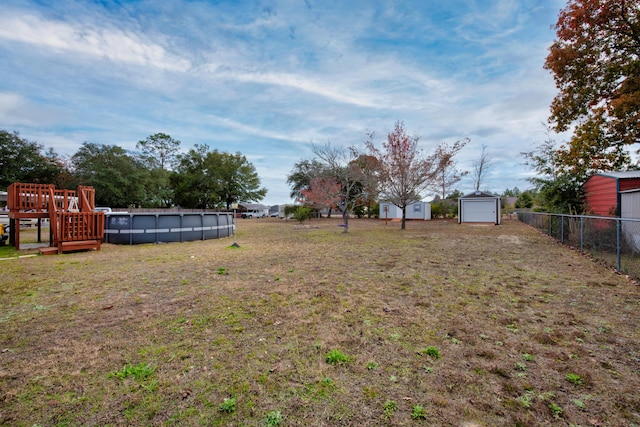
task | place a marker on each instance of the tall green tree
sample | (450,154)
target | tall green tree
(26,161)
(206,179)
(299,179)
(558,191)
(194,185)
(524,201)
(239,179)
(595,62)
(158,152)
(515,192)
(118,178)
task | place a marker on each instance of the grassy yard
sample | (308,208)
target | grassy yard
(441,324)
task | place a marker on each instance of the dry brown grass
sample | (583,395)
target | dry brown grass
(510,311)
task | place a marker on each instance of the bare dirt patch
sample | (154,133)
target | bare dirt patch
(525,331)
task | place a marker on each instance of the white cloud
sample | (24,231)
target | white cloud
(96,42)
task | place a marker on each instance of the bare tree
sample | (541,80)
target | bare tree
(369,190)
(447,175)
(480,168)
(340,163)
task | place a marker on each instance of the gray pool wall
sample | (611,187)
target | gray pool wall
(166,227)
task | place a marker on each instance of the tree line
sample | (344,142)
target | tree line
(155,175)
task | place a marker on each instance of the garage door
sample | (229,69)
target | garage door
(479,210)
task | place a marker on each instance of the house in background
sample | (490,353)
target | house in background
(417,210)
(479,207)
(604,192)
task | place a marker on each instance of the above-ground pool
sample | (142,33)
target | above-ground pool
(164,227)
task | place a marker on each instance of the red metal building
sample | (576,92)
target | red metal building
(602,191)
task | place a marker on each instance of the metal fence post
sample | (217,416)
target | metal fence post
(618,242)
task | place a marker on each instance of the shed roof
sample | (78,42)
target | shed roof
(477,194)
(621,174)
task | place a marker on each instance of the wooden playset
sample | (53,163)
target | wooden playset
(73,224)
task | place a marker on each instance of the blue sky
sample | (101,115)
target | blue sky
(270,78)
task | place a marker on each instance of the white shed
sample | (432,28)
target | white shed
(479,207)
(417,210)
(630,209)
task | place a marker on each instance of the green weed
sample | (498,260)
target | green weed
(390,407)
(140,372)
(418,413)
(432,352)
(556,410)
(574,378)
(273,419)
(525,400)
(336,357)
(527,357)
(228,405)
(151,386)
(579,404)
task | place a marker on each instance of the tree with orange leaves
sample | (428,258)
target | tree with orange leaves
(595,62)
(323,192)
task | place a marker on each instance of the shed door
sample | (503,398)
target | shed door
(479,210)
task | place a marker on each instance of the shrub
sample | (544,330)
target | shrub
(302,213)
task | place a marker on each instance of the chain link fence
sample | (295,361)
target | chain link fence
(615,241)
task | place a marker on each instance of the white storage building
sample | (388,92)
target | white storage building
(479,207)
(417,210)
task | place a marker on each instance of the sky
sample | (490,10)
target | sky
(269,79)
